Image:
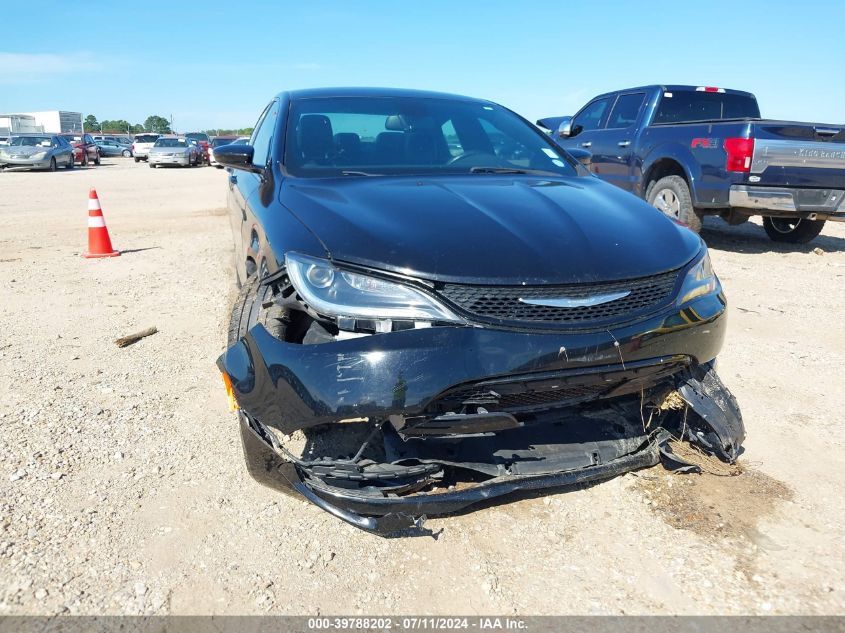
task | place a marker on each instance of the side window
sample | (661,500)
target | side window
(626,110)
(263,133)
(590,118)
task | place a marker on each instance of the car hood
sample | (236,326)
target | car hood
(487,228)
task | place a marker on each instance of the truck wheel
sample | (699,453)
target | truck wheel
(671,196)
(792,230)
(249,309)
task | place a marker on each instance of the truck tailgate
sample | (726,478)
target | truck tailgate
(798,155)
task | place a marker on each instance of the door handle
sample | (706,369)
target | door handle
(624,143)
(587,144)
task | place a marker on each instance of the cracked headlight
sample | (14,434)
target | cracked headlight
(700,280)
(336,292)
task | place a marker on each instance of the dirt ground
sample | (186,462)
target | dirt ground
(123,488)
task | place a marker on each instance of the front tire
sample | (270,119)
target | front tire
(671,196)
(792,230)
(249,309)
(85,159)
(137,160)
(69,163)
(52,164)
(127,153)
(97,159)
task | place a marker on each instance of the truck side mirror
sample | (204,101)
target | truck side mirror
(564,130)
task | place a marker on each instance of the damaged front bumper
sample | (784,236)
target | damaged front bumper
(459,415)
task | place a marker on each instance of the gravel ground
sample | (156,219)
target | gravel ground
(122,487)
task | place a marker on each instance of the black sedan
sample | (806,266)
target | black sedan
(439,306)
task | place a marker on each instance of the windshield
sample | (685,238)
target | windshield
(146,138)
(221,141)
(198,136)
(171,142)
(32,141)
(336,136)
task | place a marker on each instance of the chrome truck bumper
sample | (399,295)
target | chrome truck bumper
(813,204)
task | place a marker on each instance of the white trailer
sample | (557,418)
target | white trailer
(58,121)
(18,124)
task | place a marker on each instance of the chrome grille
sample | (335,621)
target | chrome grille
(502,303)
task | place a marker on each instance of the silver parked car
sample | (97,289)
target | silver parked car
(37,151)
(172,150)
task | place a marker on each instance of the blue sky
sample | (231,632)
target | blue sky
(215,64)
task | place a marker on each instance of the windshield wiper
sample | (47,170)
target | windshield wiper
(350,172)
(496,170)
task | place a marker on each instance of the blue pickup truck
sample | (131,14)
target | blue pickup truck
(694,151)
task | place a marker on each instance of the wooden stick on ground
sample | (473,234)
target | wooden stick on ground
(134,338)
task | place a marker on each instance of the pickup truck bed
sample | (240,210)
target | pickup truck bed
(655,142)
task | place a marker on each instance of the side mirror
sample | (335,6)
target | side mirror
(583,156)
(564,129)
(236,156)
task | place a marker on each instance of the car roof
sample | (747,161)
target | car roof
(314,93)
(668,88)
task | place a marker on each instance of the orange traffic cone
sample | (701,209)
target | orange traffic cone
(99,242)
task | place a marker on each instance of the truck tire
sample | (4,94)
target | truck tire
(249,310)
(671,196)
(792,230)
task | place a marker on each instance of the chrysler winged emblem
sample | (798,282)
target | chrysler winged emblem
(575,302)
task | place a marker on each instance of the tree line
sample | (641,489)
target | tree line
(153,123)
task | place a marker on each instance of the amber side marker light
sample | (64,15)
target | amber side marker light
(230,392)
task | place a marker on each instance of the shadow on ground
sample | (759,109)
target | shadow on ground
(752,239)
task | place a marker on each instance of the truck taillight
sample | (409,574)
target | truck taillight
(739,151)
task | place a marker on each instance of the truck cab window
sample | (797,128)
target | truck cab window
(590,117)
(626,110)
